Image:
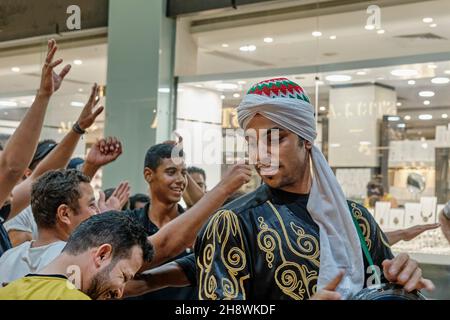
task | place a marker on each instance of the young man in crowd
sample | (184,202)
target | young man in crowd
(18,152)
(101,256)
(167,178)
(292,237)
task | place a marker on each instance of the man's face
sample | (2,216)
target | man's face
(293,156)
(110,281)
(87,206)
(200,180)
(168,181)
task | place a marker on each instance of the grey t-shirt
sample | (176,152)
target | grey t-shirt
(24,221)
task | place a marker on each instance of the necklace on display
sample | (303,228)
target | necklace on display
(426,217)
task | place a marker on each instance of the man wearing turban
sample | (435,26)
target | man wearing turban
(296,236)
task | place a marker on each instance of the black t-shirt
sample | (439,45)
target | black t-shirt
(5,243)
(188,293)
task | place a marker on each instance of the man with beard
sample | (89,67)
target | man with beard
(101,255)
(60,201)
(296,236)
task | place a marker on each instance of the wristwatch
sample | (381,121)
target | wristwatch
(446,211)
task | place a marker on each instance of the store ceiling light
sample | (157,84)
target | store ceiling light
(401,125)
(335,145)
(199,85)
(381,31)
(249,48)
(4,103)
(319,82)
(426,94)
(316,34)
(78,62)
(333,37)
(393,118)
(338,78)
(236,95)
(412,82)
(80,90)
(427,20)
(242,82)
(225,45)
(440,80)
(369,27)
(404,72)
(322,108)
(361,73)
(226,86)
(222,97)
(432,66)
(268,40)
(433,25)
(427,102)
(399,104)
(407,118)
(365,143)
(425,117)
(444,116)
(15,69)
(447,71)
(77,104)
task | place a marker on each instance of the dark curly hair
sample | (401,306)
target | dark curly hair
(113,227)
(53,189)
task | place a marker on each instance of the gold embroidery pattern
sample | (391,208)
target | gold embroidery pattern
(312,253)
(221,227)
(383,239)
(293,279)
(363,223)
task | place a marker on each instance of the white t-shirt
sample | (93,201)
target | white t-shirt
(22,260)
(24,221)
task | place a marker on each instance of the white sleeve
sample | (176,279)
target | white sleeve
(24,221)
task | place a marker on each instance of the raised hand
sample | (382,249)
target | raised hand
(88,114)
(117,199)
(50,80)
(104,151)
(329,291)
(413,232)
(405,271)
(236,177)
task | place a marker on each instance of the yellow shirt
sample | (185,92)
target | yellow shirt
(34,287)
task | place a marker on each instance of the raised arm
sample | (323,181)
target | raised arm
(444,219)
(181,232)
(193,192)
(20,148)
(60,155)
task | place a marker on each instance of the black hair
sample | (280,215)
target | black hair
(138,197)
(53,189)
(157,153)
(113,227)
(44,147)
(198,170)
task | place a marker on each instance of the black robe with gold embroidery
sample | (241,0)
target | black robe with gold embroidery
(265,245)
